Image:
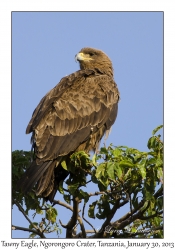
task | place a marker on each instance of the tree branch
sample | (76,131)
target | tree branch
(79,235)
(126,216)
(158,193)
(27,218)
(82,227)
(108,192)
(62,204)
(87,220)
(23,212)
(101,233)
(28,230)
(73,219)
(114,209)
(130,219)
(63,225)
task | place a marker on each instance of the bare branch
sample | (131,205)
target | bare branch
(88,181)
(124,221)
(79,235)
(101,233)
(158,193)
(28,230)
(72,223)
(27,218)
(46,227)
(125,200)
(23,212)
(96,193)
(131,219)
(87,220)
(82,227)
(113,211)
(108,192)
(73,219)
(63,225)
(62,204)
(126,216)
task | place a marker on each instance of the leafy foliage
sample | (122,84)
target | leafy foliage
(26,202)
(123,176)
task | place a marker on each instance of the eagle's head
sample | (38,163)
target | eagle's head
(95,59)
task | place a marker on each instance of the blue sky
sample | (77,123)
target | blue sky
(44,45)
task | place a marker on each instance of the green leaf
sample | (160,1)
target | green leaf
(133,229)
(105,182)
(100,170)
(117,152)
(152,142)
(94,162)
(103,207)
(84,195)
(60,187)
(141,165)
(67,198)
(122,147)
(144,206)
(156,129)
(149,186)
(138,157)
(101,186)
(51,214)
(91,210)
(93,178)
(118,170)
(159,202)
(159,163)
(110,170)
(104,151)
(73,187)
(32,235)
(132,151)
(128,174)
(151,161)
(157,221)
(126,163)
(39,211)
(160,173)
(63,164)
(135,201)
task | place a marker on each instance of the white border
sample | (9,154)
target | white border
(5,93)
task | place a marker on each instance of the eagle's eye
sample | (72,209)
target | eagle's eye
(91,53)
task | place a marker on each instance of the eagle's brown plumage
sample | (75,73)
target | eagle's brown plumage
(73,116)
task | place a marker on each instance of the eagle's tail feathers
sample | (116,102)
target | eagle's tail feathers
(32,175)
(45,183)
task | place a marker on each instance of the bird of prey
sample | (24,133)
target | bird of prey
(71,117)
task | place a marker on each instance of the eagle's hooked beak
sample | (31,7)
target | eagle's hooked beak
(79,57)
(82,57)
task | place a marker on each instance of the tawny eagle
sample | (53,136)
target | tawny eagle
(73,116)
